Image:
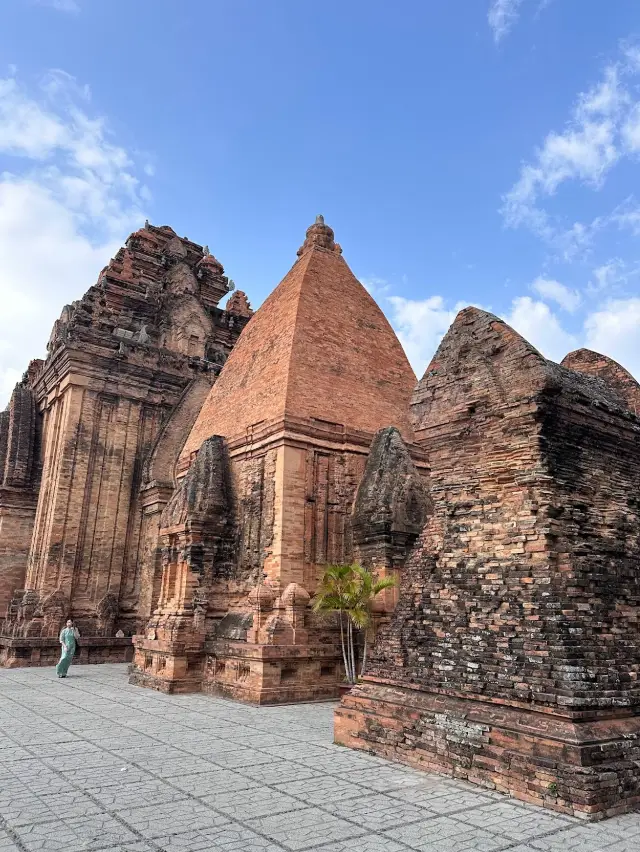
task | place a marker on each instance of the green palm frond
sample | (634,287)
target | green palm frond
(350,590)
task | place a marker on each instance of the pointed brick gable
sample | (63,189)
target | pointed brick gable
(318,348)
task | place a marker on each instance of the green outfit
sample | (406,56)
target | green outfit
(68,637)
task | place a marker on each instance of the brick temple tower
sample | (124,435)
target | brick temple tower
(89,443)
(513,656)
(286,433)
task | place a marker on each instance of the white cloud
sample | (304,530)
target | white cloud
(71,197)
(614,330)
(537,323)
(375,286)
(25,128)
(627,216)
(603,127)
(551,289)
(607,275)
(420,325)
(8,380)
(502,16)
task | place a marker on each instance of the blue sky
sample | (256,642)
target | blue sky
(464,151)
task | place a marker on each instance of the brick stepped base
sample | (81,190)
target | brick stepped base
(587,767)
(17,652)
(243,671)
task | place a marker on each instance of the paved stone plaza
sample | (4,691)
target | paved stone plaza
(91,763)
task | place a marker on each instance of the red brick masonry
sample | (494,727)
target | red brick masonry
(513,656)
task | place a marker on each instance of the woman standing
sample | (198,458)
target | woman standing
(69,640)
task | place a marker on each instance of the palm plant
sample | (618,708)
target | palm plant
(350,591)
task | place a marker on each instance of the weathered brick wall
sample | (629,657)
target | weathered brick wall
(482,549)
(255,496)
(391,504)
(21,445)
(115,397)
(293,516)
(513,656)
(94,445)
(591,449)
(534,531)
(140,586)
(19,476)
(615,376)
(17,512)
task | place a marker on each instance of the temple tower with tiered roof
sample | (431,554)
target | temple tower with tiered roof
(316,373)
(91,440)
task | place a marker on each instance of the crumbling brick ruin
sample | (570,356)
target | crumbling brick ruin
(512,658)
(176,477)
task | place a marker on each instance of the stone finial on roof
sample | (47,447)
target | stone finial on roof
(319,236)
(210,263)
(239,304)
(295,595)
(261,597)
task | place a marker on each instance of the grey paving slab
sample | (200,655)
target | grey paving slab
(72,747)
(278,772)
(218,780)
(6,843)
(27,809)
(368,843)
(322,790)
(580,838)
(9,755)
(305,829)
(376,812)
(131,847)
(151,792)
(624,846)
(243,758)
(626,826)
(102,776)
(231,837)
(456,801)
(254,802)
(172,767)
(388,778)
(516,822)
(443,834)
(184,815)
(258,740)
(82,833)
(96,765)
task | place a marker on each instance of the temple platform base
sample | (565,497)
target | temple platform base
(167,666)
(257,674)
(583,764)
(272,674)
(16,652)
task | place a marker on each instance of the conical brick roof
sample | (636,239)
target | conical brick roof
(318,347)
